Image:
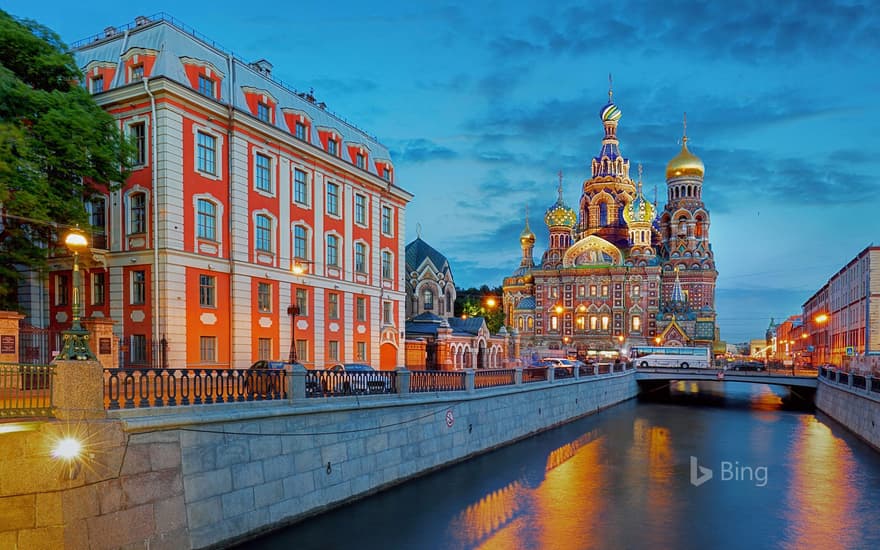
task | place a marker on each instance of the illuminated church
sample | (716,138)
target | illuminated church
(617,271)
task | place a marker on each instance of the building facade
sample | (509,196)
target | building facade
(617,272)
(246,198)
(842,319)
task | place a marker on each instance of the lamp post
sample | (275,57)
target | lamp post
(822,320)
(293,311)
(76,340)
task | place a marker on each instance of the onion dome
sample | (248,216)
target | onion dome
(527,237)
(610,113)
(640,210)
(685,163)
(560,215)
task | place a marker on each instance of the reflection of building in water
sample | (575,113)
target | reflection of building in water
(567,451)
(482,519)
(618,270)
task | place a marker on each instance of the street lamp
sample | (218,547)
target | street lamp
(76,340)
(293,311)
(822,319)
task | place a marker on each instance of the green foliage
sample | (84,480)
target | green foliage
(57,147)
(473,302)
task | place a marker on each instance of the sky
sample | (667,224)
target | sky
(483,103)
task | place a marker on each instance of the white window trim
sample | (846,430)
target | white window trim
(391,220)
(218,230)
(366,222)
(340,197)
(218,154)
(309,240)
(367,262)
(273,232)
(131,301)
(340,252)
(126,199)
(127,126)
(382,271)
(273,180)
(309,181)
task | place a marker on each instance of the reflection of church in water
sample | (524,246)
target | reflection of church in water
(617,273)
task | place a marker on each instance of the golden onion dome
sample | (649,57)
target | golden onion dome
(527,237)
(560,215)
(640,210)
(685,163)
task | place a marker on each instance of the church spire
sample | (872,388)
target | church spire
(677,292)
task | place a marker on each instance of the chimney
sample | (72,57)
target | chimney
(263,67)
(109,31)
(140,21)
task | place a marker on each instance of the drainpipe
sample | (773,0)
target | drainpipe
(155,217)
(230,110)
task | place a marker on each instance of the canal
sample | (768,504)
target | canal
(781,477)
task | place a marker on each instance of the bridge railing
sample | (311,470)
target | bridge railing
(422,381)
(491,378)
(26,390)
(855,381)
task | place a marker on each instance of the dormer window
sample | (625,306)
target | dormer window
(97,84)
(360,160)
(332,147)
(263,112)
(300,131)
(137,73)
(206,86)
(386,174)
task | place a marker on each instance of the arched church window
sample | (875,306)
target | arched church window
(682,226)
(636,324)
(428,299)
(531,323)
(603,214)
(521,323)
(698,230)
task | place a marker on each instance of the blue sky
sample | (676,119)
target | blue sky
(482,103)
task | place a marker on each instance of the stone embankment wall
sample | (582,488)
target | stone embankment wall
(858,409)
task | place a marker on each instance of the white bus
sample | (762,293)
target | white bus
(680,357)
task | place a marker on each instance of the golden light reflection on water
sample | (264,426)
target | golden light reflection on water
(820,511)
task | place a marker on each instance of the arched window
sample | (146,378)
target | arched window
(698,229)
(605,321)
(333,250)
(263,233)
(603,214)
(636,323)
(428,299)
(300,242)
(531,323)
(207,220)
(521,323)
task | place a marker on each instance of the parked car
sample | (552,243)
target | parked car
(748,365)
(564,367)
(355,378)
(264,378)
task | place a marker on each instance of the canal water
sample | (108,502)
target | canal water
(781,477)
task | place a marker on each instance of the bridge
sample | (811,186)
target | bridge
(650,375)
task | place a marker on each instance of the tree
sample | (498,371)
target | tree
(476,302)
(57,148)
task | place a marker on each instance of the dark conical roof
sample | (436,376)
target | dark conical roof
(418,250)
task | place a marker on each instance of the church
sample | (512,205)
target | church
(618,272)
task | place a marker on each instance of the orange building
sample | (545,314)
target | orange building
(247,198)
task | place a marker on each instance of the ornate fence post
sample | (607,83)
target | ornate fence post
(403,379)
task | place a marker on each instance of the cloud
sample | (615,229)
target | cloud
(421,150)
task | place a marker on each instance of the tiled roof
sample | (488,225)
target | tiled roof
(418,250)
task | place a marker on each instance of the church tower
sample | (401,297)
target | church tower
(639,218)
(527,244)
(560,220)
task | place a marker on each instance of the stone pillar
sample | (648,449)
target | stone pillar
(9,336)
(551,374)
(517,376)
(403,378)
(297,375)
(577,371)
(469,378)
(103,343)
(78,390)
(868,379)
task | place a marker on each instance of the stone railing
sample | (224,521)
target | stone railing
(857,383)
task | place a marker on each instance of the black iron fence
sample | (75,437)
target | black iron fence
(423,381)
(26,390)
(337,383)
(534,374)
(132,388)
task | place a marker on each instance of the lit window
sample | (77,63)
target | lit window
(360,160)
(300,131)
(206,86)
(208,349)
(302,301)
(636,324)
(554,323)
(605,321)
(361,308)
(531,323)
(387,265)
(207,154)
(264,297)
(636,290)
(263,233)
(137,73)
(98,285)
(594,322)
(333,199)
(333,305)
(263,112)
(521,324)
(97,84)
(333,350)
(360,257)
(207,291)
(207,220)
(138,136)
(333,250)
(360,209)
(264,349)
(428,299)
(361,351)
(593,290)
(138,213)
(581,322)
(263,173)
(604,290)
(300,187)
(386,220)
(300,243)
(138,287)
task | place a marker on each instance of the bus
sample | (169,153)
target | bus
(681,357)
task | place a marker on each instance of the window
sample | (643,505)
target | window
(636,324)
(206,156)
(206,86)
(138,287)
(604,290)
(386,220)
(554,323)
(582,291)
(98,285)
(333,350)
(137,73)
(207,287)
(264,349)
(208,349)
(360,160)
(361,351)
(333,199)
(264,297)
(263,233)
(138,353)
(360,209)
(521,324)
(300,186)
(302,302)
(300,131)
(332,305)
(594,322)
(387,267)
(97,219)
(137,133)
(97,84)
(361,309)
(62,290)
(593,290)
(263,112)
(387,316)
(333,250)
(263,173)
(636,290)
(138,212)
(300,243)
(332,147)
(580,322)
(605,321)
(530,322)
(428,299)
(302,350)
(207,220)
(360,257)
(386,174)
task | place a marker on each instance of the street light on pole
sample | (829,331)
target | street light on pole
(297,267)
(76,340)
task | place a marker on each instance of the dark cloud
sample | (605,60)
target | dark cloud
(421,150)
